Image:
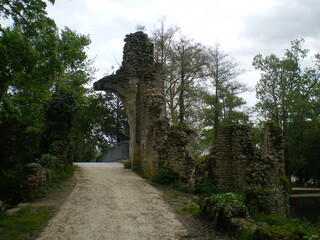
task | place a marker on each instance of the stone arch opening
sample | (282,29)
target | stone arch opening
(138,84)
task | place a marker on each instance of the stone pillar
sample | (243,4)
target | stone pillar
(137,82)
(234,166)
(273,183)
(232,150)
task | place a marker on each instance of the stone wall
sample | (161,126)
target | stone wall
(234,166)
(176,152)
(230,156)
(267,185)
(34,177)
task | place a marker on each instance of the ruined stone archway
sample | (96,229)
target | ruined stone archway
(138,83)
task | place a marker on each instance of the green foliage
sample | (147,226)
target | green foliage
(44,105)
(108,120)
(191,208)
(245,234)
(56,170)
(56,176)
(206,187)
(281,228)
(127,164)
(189,235)
(60,113)
(181,186)
(289,95)
(166,176)
(220,207)
(49,162)
(25,224)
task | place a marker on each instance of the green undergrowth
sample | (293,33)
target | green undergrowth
(206,200)
(189,236)
(127,164)
(206,187)
(190,208)
(56,178)
(280,228)
(26,224)
(220,207)
(166,176)
(291,229)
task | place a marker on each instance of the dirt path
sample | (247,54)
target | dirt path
(109,202)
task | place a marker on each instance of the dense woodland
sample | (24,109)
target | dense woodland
(47,105)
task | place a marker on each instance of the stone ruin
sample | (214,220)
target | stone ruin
(232,166)
(139,84)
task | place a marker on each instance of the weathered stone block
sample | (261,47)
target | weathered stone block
(34,177)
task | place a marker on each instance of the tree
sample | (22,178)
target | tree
(76,67)
(42,93)
(221,97)
(164,40)
(289,95)
(182,61)
(186,65)
(28,65)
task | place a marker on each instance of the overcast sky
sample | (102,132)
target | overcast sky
(243,28)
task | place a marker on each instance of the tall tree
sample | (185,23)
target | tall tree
(109,123)
(222,96)
(186,66)
(75,71)
(164,39)
(28,65)
(287,94)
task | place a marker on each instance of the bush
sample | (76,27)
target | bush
(280,228)
(181,186)
(127,165)
(191,208)
(49,161)
(54,167)
(222,207)
(206,188)
(166,176)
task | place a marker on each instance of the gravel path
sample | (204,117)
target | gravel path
(111,203)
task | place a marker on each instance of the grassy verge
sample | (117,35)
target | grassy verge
(25,224)
(28,223)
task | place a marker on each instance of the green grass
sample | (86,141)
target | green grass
(25,224)
(191,208)
(189,235)
(171,197)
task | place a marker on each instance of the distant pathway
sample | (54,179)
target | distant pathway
(111,203)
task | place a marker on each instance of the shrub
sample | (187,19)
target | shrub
(49,161)
(206,188)
(54,167)
(280,228)
(127,165)
(222,207)
(166,176)
(181,186)
(191,208)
